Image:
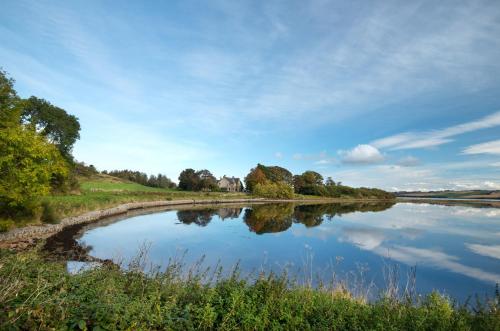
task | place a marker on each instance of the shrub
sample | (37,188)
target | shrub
(48,213)
(278,190)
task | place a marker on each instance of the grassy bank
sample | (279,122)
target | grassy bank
(100,192)
(35,294)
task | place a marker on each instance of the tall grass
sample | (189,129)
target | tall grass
(41,295)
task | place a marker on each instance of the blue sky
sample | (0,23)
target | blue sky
(391,94)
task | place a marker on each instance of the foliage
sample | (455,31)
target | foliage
(311,183)
(188,180)
(10,104)
(27,165)
(202,180)
(41,295)
(254,177)
(276,174)
(81,169)
(160,181)
(54,123)
(206,181)
(279,190)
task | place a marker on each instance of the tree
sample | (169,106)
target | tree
(298,183)
(54,123)
(312,178)
(188,180)
(276,174)
(27,165)
(254,177)
(206,181)
(329,182)
(10,104)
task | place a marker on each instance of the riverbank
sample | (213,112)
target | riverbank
(39,294)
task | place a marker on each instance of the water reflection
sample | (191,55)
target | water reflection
(456,248)
(279,217)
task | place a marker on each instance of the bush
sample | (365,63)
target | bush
(278,190)
(48,213)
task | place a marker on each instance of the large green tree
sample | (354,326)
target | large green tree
(54,123)
(206,181)
(188,180)
(10,104)
(28,163)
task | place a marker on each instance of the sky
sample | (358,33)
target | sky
(400,95)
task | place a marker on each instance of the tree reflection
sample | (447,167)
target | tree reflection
(202,217)
(269,218)
(279,217)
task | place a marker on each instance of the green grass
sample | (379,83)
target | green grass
(41,295)
(95,185)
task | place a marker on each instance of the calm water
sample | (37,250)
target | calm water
(455,249)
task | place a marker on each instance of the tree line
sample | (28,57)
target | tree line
(278,182)
(160,180)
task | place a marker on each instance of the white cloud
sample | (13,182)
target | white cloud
(278,155)
(413,140)
(362,154)
(490,147)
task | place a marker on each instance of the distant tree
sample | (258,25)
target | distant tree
(298,183)
(276,174)
(312,178)
(54,123)
(189,180)
(329,182)
(254,177)
(206,181)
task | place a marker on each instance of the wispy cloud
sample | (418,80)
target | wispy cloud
(490,147)
(414,140)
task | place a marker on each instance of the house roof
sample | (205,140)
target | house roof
(232,180)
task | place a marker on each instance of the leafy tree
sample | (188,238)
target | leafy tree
(276,174)
(270,190)
(54,123)
(312,178)
(330,182)
(10,104)
(254,177)
(206,181)
(189,180)
(27,165)
(310,182)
